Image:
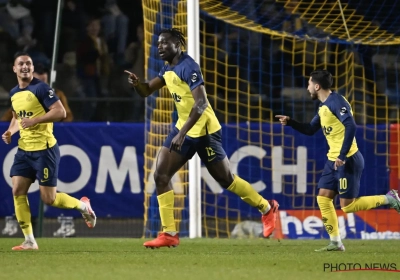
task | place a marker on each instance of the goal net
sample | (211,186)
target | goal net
(256,57)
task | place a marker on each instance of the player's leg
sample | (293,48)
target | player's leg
(23,212)
(46,164)
(23,175)
(167,164)
(51,197)
(213,155)
(349,187)
(327,186)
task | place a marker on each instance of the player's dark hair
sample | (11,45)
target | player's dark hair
(176,33)
(323,78)
(18,54)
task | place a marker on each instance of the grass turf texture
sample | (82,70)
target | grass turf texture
(113,258)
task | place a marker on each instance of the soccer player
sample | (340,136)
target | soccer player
(35,108)
(41,73)
(197,131)
(342,171)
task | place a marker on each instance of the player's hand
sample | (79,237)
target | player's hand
(177,142)
(27,122)
(338,163)
(132,79)
(6,137)
(283,119)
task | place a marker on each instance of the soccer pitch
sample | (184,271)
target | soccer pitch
(113,258)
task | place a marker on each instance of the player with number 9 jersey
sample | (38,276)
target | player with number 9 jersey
(35,107)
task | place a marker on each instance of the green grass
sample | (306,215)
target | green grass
(220,259)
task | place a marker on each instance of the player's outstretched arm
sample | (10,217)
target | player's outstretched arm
(144,89)
(305,128)
(283,119)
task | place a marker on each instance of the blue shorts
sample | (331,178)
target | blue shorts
(208,147)
(346,179)
(42,165)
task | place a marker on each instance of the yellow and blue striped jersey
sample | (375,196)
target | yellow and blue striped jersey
(30,102)
(181,79)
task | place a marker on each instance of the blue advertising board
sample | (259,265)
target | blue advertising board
(104,161)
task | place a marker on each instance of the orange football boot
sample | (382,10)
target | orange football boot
(25,246)
(268,220)
(89,216)
(163,240)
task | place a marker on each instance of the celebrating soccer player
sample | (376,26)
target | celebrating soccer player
(342,171)
(197,131)
(35,107)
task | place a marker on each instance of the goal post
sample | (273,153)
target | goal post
(193,49)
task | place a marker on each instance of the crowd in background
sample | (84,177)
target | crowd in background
(100,39)
(97,41)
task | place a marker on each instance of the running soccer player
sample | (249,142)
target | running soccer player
(197,131)
(35,108)
(343,169)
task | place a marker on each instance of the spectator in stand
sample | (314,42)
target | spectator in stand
(115,25)
(135,56)
(16,20)
(72,27)
(93,67)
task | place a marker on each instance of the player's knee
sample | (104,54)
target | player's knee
(17,191)
(225,182)
(20,190)
(347,205)
(161,180)
(346,209)
(48,199)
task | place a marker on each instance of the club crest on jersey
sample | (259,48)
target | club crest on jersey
(29,97)
(327,130)
(343,111)
(194,77)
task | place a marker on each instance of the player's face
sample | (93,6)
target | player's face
(312,89)
(167,47)
(23,67)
